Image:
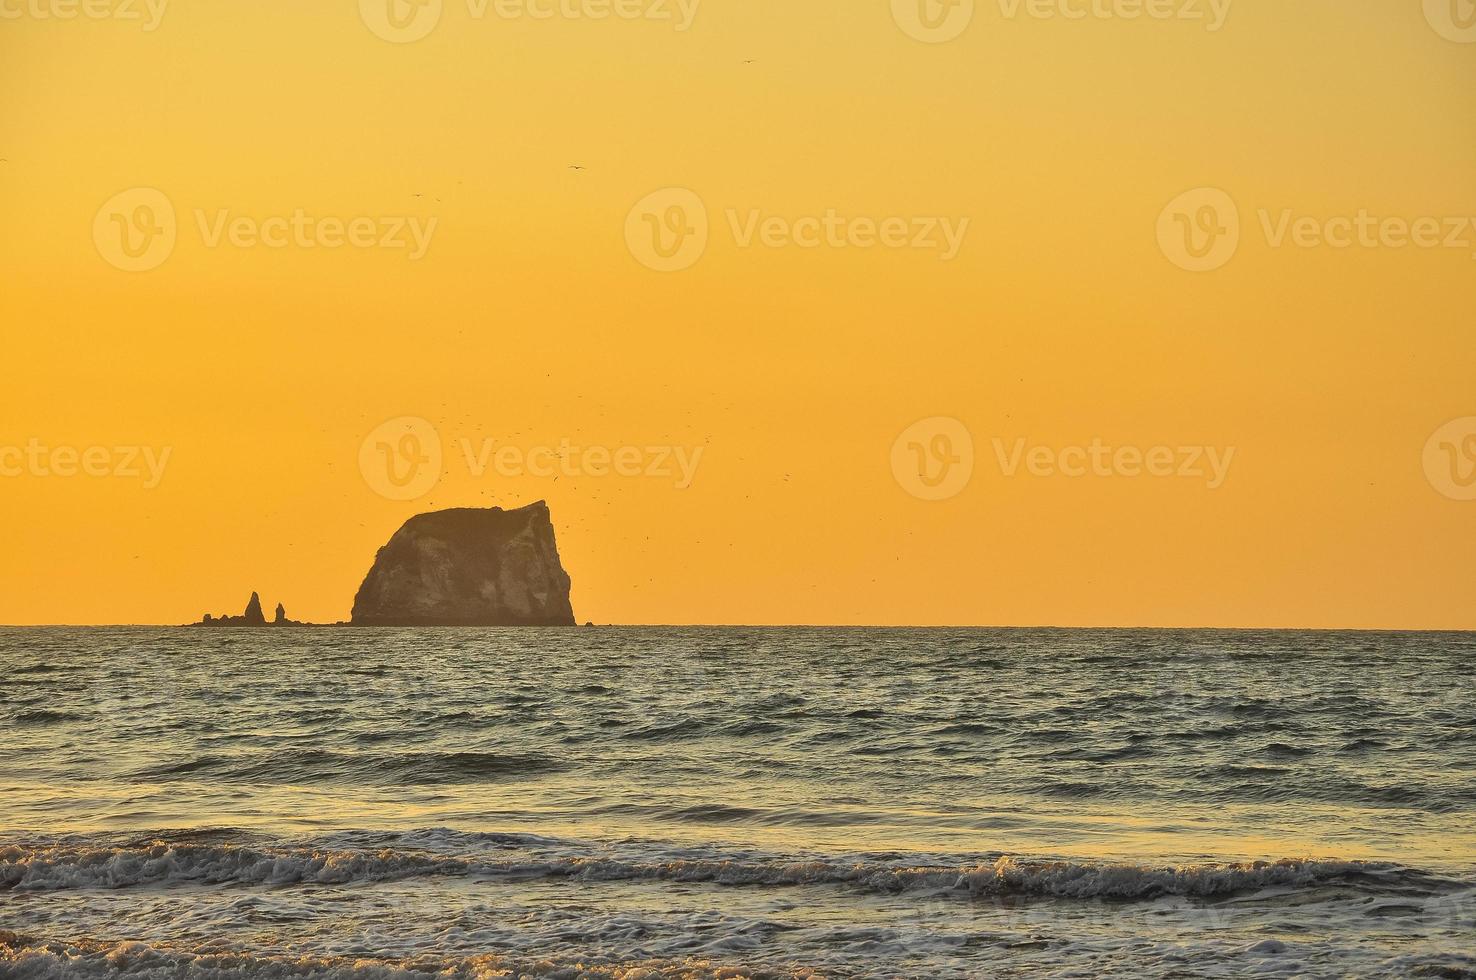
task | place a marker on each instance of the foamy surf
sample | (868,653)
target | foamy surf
(79,865)
(39,959)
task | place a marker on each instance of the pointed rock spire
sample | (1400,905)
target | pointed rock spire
(254,616)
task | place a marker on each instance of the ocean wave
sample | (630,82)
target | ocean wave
(72,866)
(66,866)
(387,768)
(41,959)
(44,716)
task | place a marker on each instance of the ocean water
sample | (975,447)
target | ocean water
(705,803)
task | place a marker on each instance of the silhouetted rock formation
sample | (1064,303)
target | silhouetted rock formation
(252,617)
(468,567)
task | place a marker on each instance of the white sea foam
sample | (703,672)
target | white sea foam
(36,959)
(67,866)
(58,867)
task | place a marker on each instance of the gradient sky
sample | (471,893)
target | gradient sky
(530,321)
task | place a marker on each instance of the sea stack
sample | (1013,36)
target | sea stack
(252,617)
(468,567)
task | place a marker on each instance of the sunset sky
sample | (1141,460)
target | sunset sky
(533,319)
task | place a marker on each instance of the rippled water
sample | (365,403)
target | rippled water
(643,803)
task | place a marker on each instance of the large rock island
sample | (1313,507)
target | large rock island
(468,567)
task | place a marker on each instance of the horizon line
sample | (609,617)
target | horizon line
(797,626)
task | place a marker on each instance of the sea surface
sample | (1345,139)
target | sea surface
(730,803)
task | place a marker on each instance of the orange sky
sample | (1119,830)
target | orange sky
(1065,317)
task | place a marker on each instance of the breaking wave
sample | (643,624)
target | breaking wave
(72,866)
(41,959)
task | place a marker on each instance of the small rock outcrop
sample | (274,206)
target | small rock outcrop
(468,567)
(252,617)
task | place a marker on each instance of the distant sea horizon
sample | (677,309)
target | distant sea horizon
(778,626)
